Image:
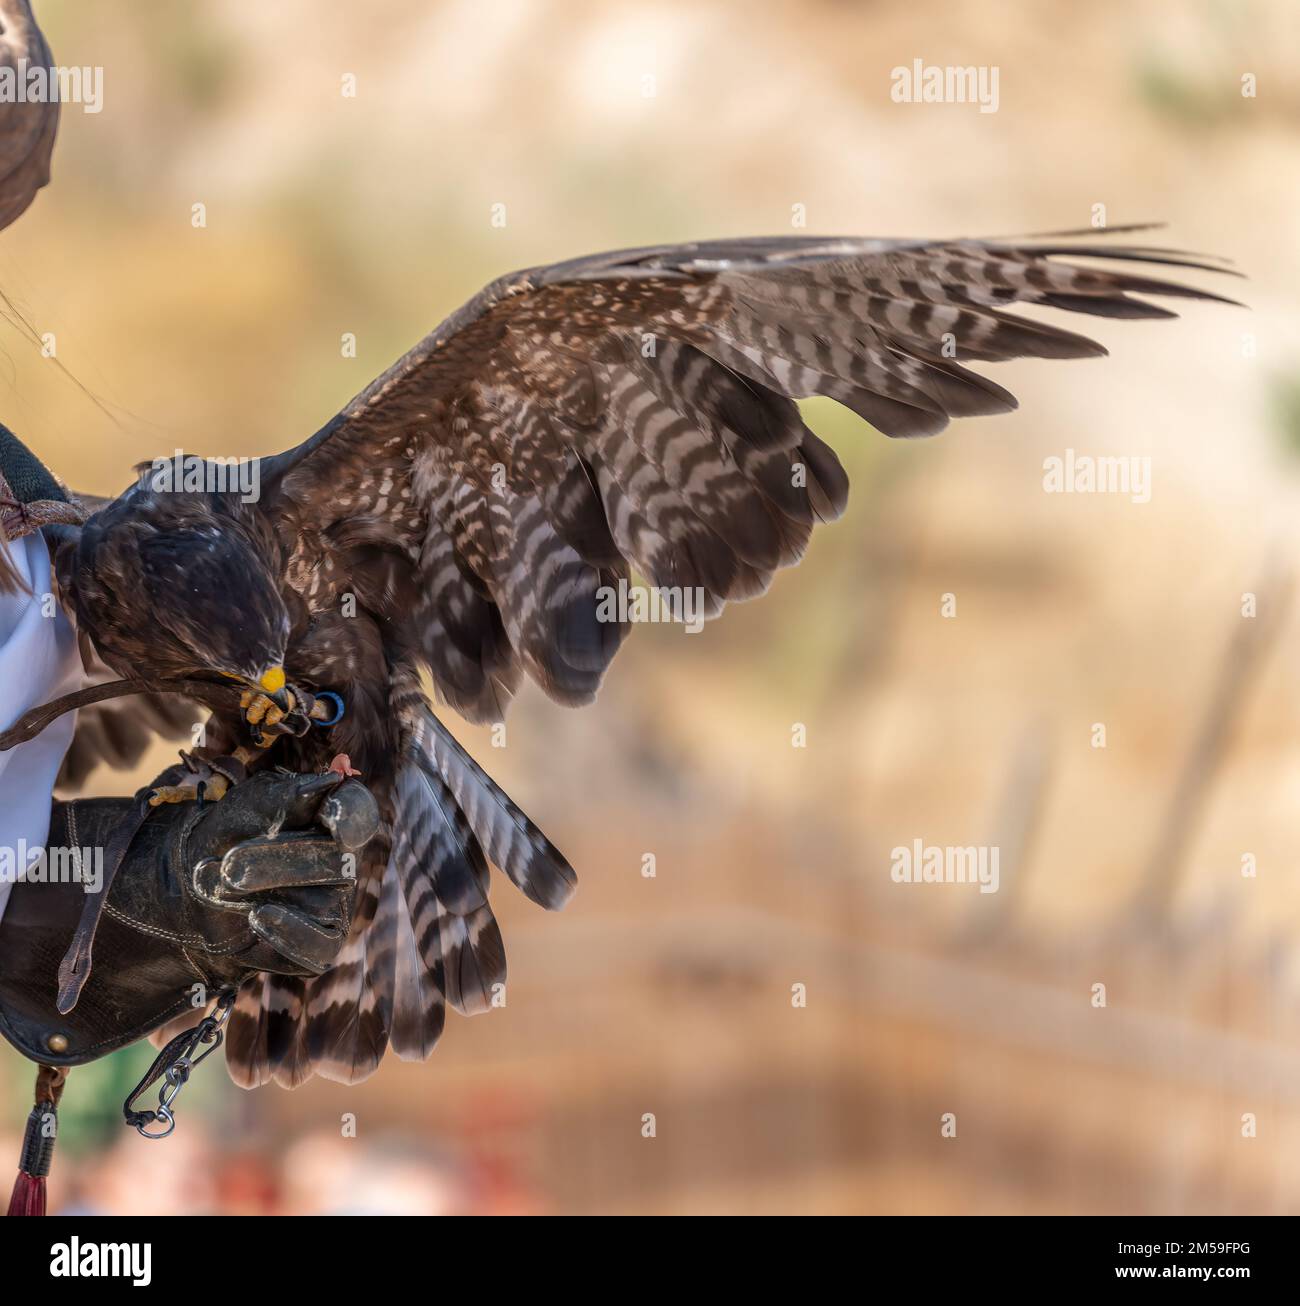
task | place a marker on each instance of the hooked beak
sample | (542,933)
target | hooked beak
(271,682)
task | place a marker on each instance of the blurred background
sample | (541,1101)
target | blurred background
(675,996)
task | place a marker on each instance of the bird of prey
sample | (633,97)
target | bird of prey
(572,425)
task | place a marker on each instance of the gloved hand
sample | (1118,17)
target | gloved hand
(266,877)
(205,898)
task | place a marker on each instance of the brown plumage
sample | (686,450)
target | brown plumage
(461,515)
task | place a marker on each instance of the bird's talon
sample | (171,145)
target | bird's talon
(258,706)
(261,710)
(215,787)
(186,793)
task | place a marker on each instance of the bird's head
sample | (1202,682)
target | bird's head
(176,598)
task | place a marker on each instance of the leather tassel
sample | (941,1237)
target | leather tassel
(28,1197)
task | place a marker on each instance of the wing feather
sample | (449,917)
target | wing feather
(634,409)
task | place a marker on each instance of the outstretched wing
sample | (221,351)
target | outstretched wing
(633,410)
(636,410)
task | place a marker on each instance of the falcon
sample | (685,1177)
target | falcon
(573,427)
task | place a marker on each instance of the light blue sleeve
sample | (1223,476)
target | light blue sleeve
(38,661)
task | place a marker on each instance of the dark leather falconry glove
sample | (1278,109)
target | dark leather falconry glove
(206,896)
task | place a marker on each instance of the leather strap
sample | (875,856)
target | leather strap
(74,969)
(31,723)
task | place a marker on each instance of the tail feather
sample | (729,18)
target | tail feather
(419,1008)
(264,1036)
(246,1036)
(285,1001)
(439,862)
(511,841)
(473,957)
